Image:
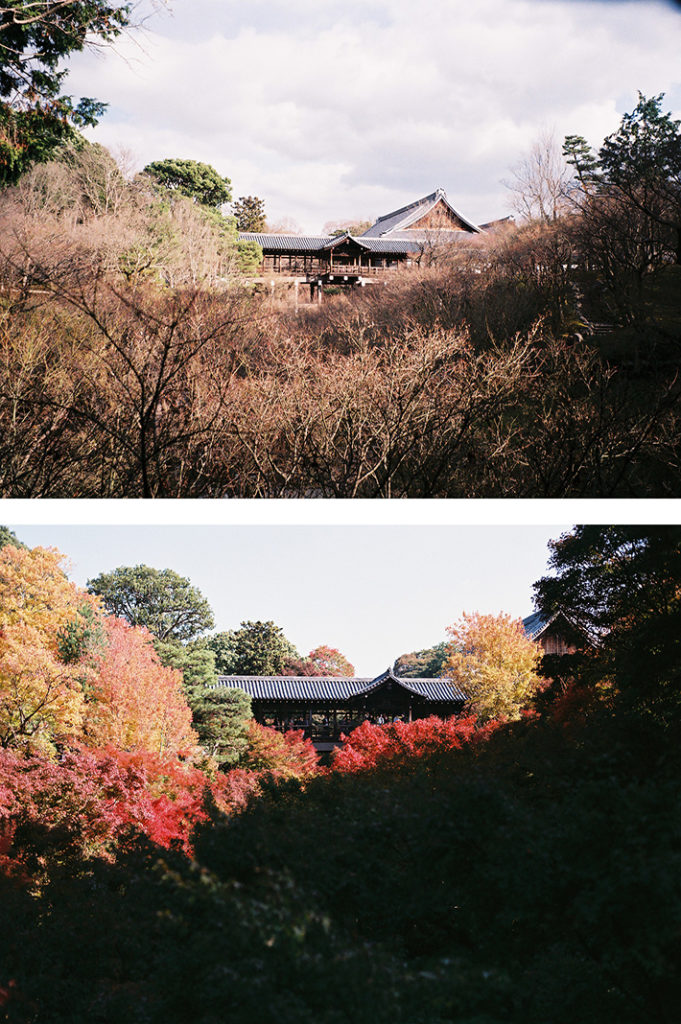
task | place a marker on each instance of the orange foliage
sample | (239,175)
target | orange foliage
(42,698)
(330,662)
(283,755)
(139,704)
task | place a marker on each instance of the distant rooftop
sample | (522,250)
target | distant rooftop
(394,233)
(329,688)
(406,216)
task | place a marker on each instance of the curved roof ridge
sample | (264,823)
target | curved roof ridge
(410,206)
(400,219)
(345,237)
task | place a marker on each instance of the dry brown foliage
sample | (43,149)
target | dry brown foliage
(465,379)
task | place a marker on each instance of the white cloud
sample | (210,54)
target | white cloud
(352,108)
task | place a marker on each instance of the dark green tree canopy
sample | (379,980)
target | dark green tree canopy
(193,659)
(638,167)
(35,38)
(426,664)
(193,179)
(160,599)
(645,149)
(250,213)
(257,648)
(220,717)
(8,536)
(622,586)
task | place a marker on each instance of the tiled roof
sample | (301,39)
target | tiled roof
(420,239)
(296,687)
(330,688)
(403,218)
(317,244)
(434,689)
(285,243)
(534,625)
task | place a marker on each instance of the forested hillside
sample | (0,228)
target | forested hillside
(139,359)
(440,871)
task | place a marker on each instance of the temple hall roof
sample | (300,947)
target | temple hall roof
(342,688)
(402,219)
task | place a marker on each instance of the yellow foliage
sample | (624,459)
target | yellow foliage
(41,697)
(495,663)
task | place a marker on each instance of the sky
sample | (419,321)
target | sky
(352,108)
(372,592)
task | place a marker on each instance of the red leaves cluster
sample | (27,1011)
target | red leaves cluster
(398,745)
(101,798)
(322,661)
(282,755)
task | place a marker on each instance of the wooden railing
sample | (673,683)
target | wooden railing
(337,270)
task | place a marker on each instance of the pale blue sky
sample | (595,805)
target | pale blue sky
(374,592)
(351,108)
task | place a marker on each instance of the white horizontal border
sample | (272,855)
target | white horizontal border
(339,512)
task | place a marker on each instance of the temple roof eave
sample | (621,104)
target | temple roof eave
(407,215)
(333,688)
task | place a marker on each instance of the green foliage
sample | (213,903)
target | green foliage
(426,664)
(621,586)
(194,660)
(34,41)
(161,600)
(81,636)
(638,170)
(33,136)
(579,155)
(249,256)
(220,716)
(250,213)
(646,148)
(257,648)
(8,536)
(193,179)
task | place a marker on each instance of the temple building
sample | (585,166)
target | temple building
(326,706)
(556,633)
(399,239)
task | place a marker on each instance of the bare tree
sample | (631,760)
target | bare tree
(539,180)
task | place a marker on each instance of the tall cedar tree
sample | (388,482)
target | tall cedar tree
(250,213)
(35,39)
